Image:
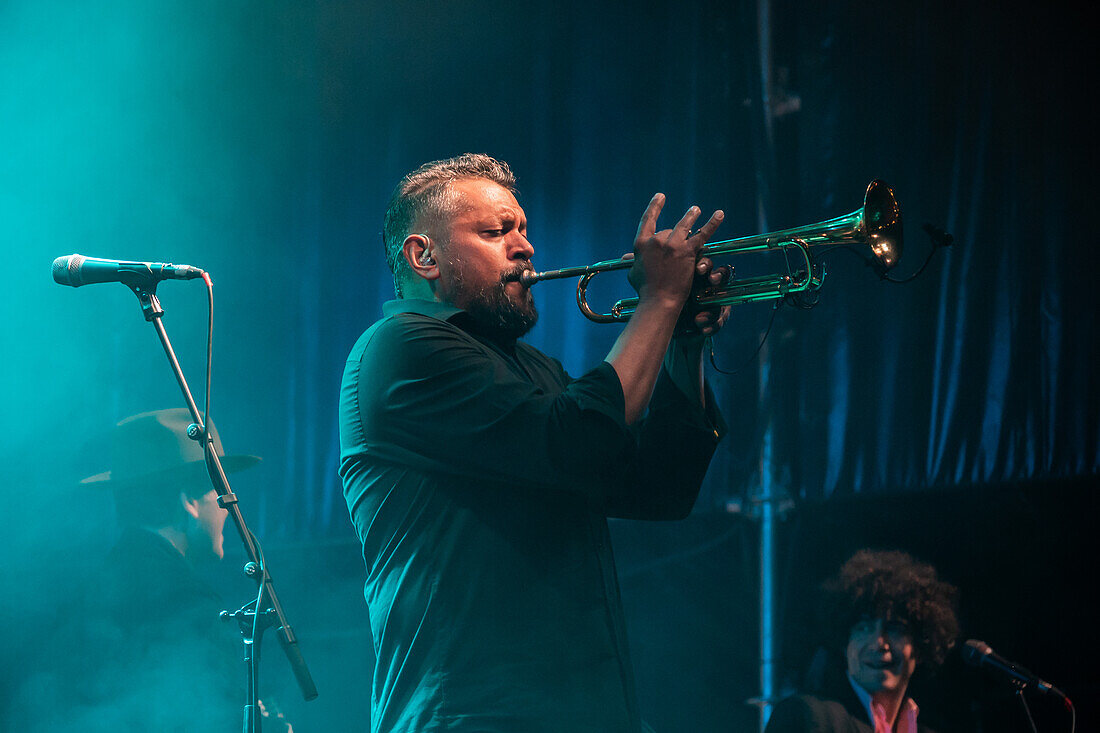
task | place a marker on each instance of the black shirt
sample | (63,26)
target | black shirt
(479,477)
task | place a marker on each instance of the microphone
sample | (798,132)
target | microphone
(77,270)
(940,238)
(979,654)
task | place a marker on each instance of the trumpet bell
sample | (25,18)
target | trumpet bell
(882,226)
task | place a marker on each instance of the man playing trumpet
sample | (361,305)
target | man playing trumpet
(480,476)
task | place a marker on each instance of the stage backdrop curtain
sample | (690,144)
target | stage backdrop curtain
(261,140)
(981,371)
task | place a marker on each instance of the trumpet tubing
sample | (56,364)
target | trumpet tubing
(877,225)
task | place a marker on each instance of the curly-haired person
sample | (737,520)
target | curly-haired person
(890,614)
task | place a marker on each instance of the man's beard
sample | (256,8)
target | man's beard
(495,313)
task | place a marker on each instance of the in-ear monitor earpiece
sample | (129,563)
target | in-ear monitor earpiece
(426,256)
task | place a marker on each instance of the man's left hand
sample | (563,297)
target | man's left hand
(684,358)
(710,321)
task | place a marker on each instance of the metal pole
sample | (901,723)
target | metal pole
(766,506)
(769,498)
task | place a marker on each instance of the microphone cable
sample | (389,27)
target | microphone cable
(206,443)
(767,331)
(940,240)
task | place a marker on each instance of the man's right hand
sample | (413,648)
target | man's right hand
(663,273)
(664,261)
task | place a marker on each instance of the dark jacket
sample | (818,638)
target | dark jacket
(153,653)
(809,714)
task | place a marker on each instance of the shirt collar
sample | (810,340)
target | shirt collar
(909,705)
(432,308)
(445,312)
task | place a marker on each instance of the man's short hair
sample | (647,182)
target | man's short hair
(892,585)
(421,198)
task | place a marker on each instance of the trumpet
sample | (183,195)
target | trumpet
(877,225)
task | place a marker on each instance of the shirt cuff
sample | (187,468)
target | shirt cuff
(600,390)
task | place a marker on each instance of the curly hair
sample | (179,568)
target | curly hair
(421,198)
(892,585)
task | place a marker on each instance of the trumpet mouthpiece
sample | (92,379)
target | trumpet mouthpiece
(528,278)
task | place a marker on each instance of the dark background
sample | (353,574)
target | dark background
(956,417)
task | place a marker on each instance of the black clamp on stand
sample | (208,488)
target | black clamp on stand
(265,611)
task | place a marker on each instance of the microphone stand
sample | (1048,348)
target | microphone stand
(266,611)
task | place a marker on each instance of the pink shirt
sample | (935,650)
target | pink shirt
(907,715)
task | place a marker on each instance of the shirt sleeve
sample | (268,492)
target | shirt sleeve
(674,444)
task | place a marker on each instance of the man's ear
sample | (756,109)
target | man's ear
(190,504)
(419,253)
